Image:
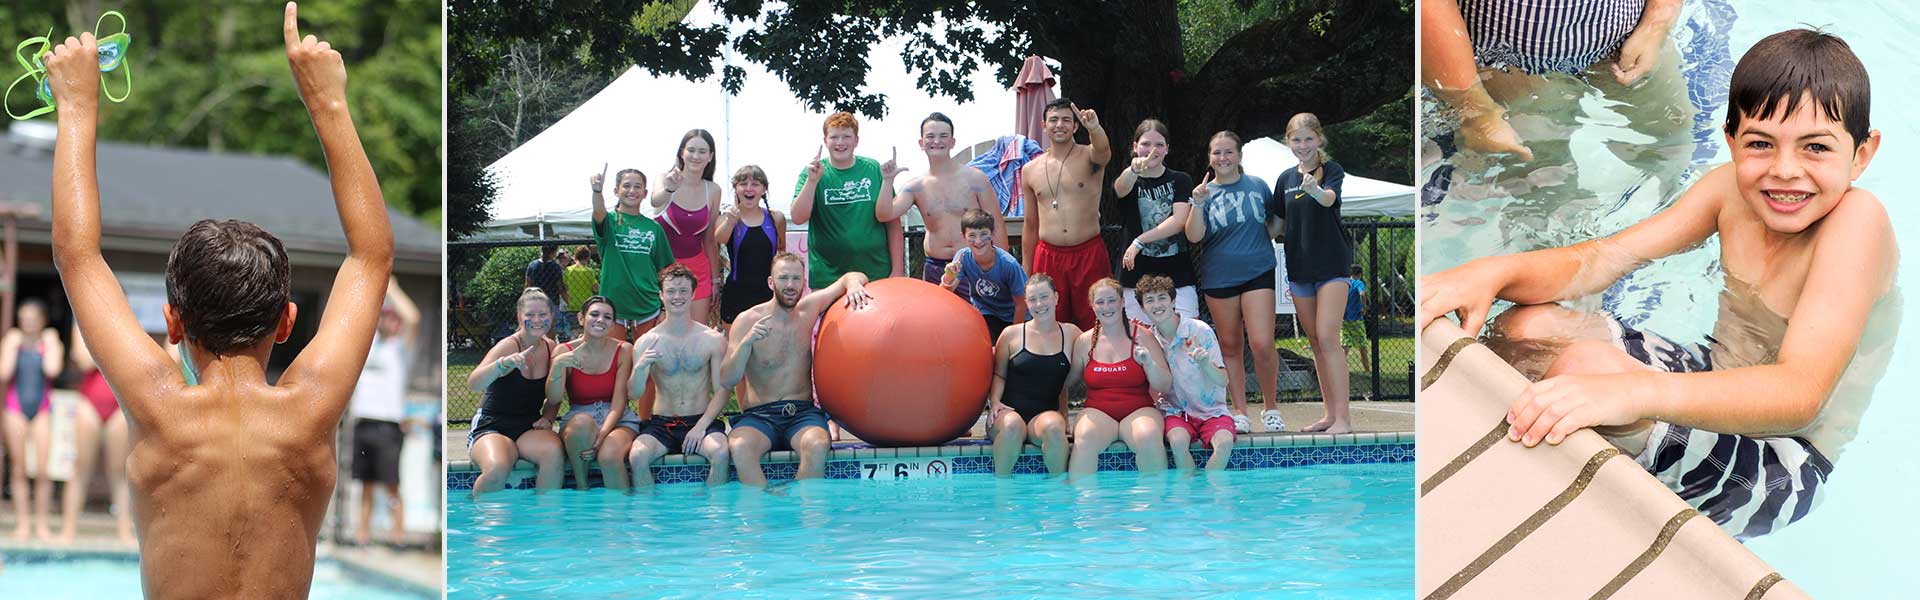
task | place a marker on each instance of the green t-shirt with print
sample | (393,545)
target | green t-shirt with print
(843,236)
(633,250)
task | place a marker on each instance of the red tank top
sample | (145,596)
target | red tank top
(585,388)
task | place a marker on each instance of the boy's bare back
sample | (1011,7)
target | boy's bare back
(231,476)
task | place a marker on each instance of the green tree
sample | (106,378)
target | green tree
(214,76)
(1125,59)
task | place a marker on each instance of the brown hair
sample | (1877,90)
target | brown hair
(975,218)
(1775,73)
(677,270)
(1153,125)
(1152,284)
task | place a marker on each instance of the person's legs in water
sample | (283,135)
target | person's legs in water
(715,449)
(748,445)
(115,448)
(1091,436)
(1180,436)
(1143,432)
(812,444)
(495,455)
(578,432)
(544,448)
(86,436)
(1009,433)
(645,450)
(612,458)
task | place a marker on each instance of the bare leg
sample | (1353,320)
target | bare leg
(613,459)
(495,455)
(116,458)
(1330,358)
(42,440)
(1091,435)
(543,447)
(1143,431)
(646,449)
(1177,440)
(1256,309)
(1051,429)
(1227,325)
(16,436)
(86,437)
(747,446)
(1009,436)
(362,532)
(397,510)
(714,449)
(813,445)
(578,433)
(1222,451)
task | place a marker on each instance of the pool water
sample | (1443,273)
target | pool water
(95,578)
(1860,541)
(1312,531)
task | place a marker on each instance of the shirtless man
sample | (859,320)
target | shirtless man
(231,476)
(683,356)
(1061,237)
(944,194)
(772,346)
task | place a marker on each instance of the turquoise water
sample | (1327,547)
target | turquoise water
(95,578)
(1341,531)
(1860,542)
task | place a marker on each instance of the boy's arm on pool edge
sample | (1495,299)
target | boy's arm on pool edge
(125,354)
(1587,268)
(339,348)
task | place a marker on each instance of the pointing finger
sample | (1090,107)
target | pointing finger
(817,151)
(291,27)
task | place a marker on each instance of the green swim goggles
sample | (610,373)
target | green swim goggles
(113,57)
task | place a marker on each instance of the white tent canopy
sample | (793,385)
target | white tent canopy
(1266,158)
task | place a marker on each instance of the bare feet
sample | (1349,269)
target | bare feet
(23,531)
(126,536)
(1318,426)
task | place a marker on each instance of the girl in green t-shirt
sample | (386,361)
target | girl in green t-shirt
(633,249)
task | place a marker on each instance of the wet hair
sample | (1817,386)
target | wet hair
(529,295)
(975,218)
(228,283)
(1153,125)
(933,118)
(599,299)
(623,175)
(679,162)
(1309,122)
(788,257)
(1152,284)
(677,270)
(1774,74)
(1042,279)
(840,120)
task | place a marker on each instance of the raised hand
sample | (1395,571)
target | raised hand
(598,181)
(1087,118)
(760,330)
(73,73)
(1198,353)
(892,167)
(951,277)
(1205,189)
(674,179)
(649,356)
(317,68)
(566,360)
(1307,180)
(814,169)
(1140,352)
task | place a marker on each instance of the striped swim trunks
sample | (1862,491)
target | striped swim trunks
(1548,36)
(1750,486)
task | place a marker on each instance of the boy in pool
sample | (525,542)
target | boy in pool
(1744,429)
(231,476)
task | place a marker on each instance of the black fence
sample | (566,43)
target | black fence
(484,277)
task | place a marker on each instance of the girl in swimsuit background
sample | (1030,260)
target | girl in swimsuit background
(30,357)
(513,377)
(687,205)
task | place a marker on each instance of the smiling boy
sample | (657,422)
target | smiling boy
(1746,427)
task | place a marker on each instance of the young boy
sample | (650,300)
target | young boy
(993,280)
(837,199)
(230,475)
(1196,404)
(1353,328)
(1744,429)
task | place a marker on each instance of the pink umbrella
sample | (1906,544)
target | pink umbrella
(1032,90)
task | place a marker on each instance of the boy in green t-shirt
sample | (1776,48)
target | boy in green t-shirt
(838,197)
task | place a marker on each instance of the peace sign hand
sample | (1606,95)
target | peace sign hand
(1203,190)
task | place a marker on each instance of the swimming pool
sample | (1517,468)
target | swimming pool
(1860,541)
(89,576)
(1309,531)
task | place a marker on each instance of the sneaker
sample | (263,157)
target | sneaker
(1272,420)
(1241,424)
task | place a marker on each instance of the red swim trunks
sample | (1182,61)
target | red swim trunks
(1074,268)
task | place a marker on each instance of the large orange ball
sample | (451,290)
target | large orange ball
(910,369)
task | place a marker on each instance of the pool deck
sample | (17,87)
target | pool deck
(417,567)
(1375,422)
